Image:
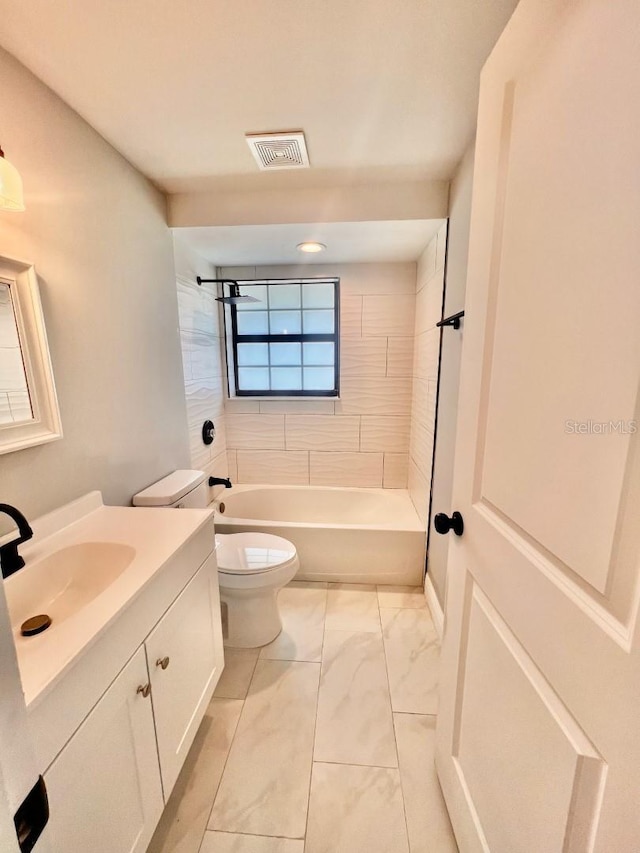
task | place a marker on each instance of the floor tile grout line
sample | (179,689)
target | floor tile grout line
(224,767)
(393,723)
(315,725)
(235,731)
(354,764)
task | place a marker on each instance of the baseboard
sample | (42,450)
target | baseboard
(434,606)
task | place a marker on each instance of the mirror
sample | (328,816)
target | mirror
(29,411)
(15,403)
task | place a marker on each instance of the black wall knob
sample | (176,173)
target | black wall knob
(208,432)
(443,524)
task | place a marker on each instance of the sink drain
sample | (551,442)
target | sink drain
(35,625)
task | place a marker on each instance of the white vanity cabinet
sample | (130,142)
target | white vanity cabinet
(108,785)
(183,656)
(104,788)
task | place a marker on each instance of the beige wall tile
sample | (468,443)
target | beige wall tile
(232,463)
(429,304)
(241,406)
(421,448)
(278,467)
(322,432)
(396,470)
(387,433)
(388,315)
(345,469)
(197,308)
(420,409)
(204,352)
(368,395)
(419,490)
(400,357)
(426,354)
(256,432)
(363,357)
(218,467)
(376,278)
(298,407)
(350,316)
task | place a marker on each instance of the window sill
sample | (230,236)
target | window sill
(283,399)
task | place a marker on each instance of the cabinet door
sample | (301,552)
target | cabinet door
(104,787)
(188,641)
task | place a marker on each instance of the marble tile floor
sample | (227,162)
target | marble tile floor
(323,741)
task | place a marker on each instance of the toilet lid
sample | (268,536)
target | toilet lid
(250,553)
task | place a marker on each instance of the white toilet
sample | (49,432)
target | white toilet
(252,567)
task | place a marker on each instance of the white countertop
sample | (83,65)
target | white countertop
(155,534)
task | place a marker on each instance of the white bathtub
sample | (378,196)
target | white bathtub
(341,534)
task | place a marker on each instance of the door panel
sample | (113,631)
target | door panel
(189,636)
(538,738)
(109,767)
(506,706)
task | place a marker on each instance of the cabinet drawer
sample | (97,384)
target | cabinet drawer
(104,787)
(184,655)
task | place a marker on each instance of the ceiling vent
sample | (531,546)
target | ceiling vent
(279,150)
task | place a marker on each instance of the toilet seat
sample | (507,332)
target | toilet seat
(253,553)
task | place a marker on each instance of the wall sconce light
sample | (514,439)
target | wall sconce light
(11,196)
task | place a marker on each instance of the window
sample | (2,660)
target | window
(287,343)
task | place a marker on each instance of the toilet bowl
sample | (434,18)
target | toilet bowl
(252,567)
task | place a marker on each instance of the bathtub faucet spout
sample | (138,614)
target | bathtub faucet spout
(219,481)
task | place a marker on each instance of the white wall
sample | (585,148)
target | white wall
(429,284)
(460,214)
(362,439)
(202,359)
(96,231)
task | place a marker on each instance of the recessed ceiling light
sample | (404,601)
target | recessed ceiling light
(311,247)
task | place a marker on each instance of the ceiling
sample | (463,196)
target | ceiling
(384,89)
(346,242)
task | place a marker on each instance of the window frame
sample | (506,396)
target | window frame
(302,338)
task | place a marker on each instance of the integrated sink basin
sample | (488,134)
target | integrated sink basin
(85,567)
(64,582)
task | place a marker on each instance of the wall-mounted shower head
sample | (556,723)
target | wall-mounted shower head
(235,297)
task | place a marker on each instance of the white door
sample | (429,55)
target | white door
(104,787)
(539,728)
(185,658)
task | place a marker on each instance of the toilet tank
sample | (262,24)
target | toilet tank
(180,490)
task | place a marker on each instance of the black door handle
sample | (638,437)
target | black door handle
(443,524)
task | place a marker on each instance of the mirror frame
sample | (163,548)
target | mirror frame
(45,425)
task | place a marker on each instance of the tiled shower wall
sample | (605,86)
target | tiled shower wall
(362,439)
(200,338)
(429,287)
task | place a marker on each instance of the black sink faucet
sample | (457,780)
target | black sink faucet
(10,560)
(219,481)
